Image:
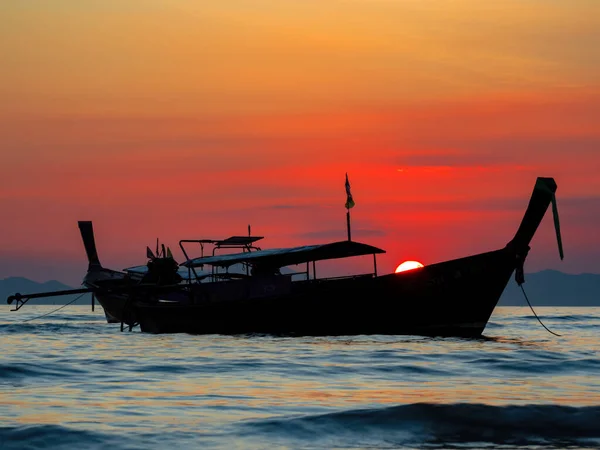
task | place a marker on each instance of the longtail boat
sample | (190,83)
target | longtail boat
(449,298)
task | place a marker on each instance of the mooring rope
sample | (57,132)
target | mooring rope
(536,316)
(58,309)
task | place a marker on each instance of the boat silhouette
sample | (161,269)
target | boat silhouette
(449,298)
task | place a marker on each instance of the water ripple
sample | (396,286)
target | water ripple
(71,380)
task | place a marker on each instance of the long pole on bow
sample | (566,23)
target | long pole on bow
(349,204)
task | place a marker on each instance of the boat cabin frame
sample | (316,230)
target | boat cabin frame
(245,243)
(272,260)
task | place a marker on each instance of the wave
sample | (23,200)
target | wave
(529,366)
(59,437)
(14,371)
(574,317)
(71,327)
(526,316)
(436,425)
(52,436)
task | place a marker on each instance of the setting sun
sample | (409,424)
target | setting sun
(408,265)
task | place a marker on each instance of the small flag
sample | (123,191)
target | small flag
(349,200)
(149,253)
(169,254)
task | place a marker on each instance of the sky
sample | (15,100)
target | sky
(187,119)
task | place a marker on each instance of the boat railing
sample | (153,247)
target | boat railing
(243,243)
(307,279)
(307,272)
(346,277)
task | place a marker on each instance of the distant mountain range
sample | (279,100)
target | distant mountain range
(12,285)
(545,288)
(554,288)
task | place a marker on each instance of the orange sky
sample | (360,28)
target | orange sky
(188,119)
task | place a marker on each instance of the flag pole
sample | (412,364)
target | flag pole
(348,222)
(349,204)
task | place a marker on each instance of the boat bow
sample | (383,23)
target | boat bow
(543,195)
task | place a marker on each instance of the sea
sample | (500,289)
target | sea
(69,380)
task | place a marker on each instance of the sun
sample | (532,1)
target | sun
(408,265)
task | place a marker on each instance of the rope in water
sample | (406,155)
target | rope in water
(536,316)
(58,309)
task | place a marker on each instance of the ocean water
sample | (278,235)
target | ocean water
(70,380)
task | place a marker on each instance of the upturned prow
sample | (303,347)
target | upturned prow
(87,235)
(544,194)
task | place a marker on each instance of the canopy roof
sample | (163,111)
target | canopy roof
(238,240)
(280,257)
(142,270)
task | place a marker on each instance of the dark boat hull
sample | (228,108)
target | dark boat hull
(114,307)
(454,298)
(103,281)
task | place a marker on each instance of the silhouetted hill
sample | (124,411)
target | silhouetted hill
(553,288)
(12,285)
